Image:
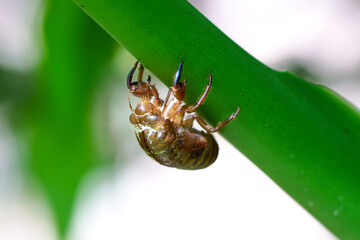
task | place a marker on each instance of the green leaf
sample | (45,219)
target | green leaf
(62,143)
(304,136)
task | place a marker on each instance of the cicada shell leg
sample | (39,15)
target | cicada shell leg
(130,76)
(141,72)
(193,108)
(188,121)
(178,88)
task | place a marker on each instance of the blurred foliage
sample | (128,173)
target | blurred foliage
(12,85)
(56,104)
(16,90)
(77,51)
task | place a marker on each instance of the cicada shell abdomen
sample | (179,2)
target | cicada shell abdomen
(179,154)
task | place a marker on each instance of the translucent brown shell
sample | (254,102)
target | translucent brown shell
(164,128)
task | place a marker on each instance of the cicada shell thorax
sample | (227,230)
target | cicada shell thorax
(172,107)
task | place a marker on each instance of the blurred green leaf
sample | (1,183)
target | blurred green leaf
(16,89)
(12,84)
(62,141)
(304,136)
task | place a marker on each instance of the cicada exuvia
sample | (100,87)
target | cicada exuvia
(164,128)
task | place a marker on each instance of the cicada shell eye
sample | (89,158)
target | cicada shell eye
(144,107)
(153,119)
(133,119)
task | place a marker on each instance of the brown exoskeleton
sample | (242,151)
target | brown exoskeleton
(165,130)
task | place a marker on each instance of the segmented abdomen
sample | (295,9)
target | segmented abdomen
(178,155)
